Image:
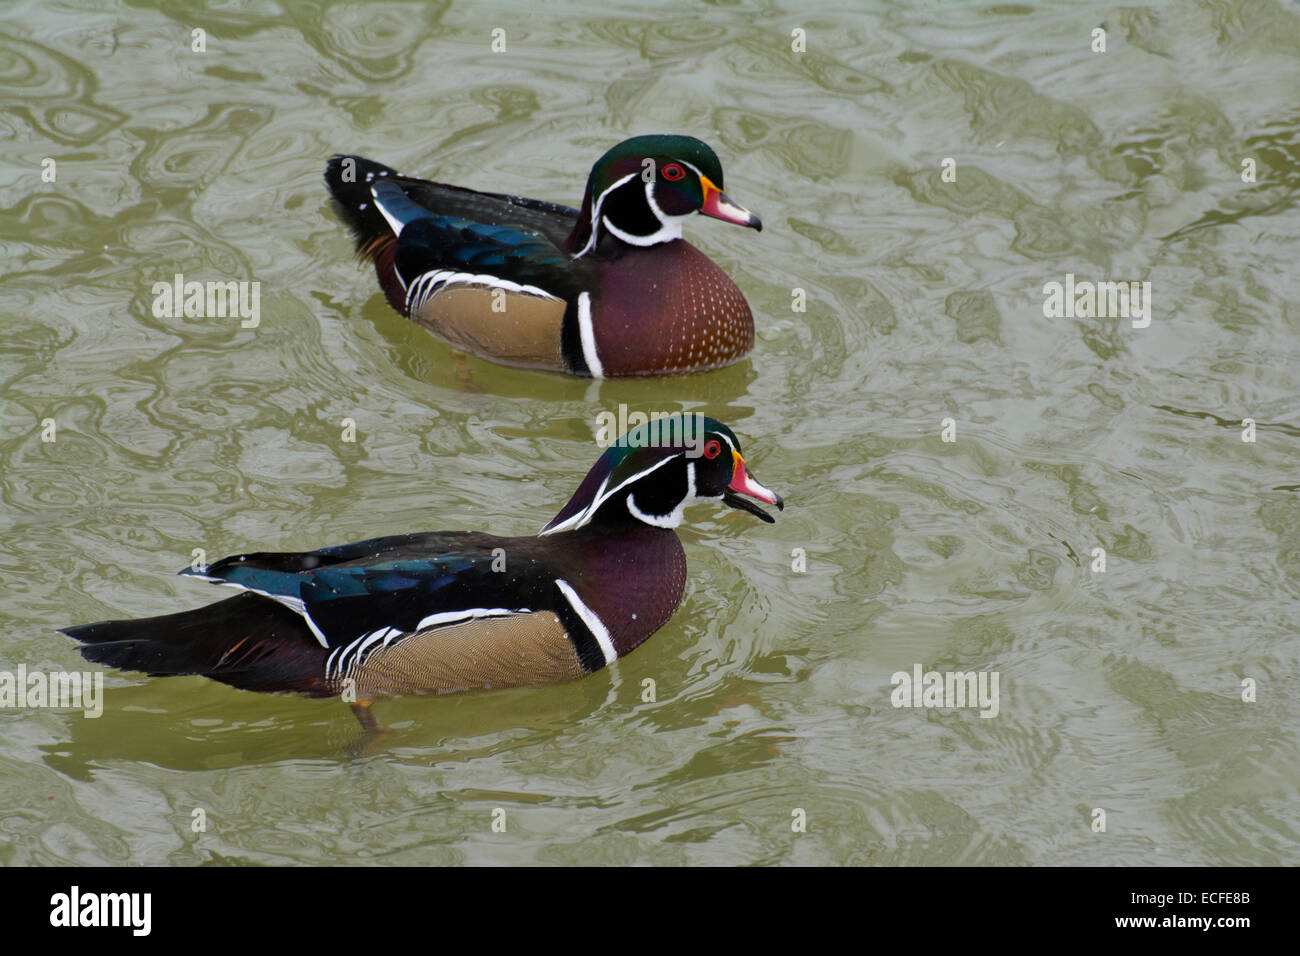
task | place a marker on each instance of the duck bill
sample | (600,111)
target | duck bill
(743,483)
(718,205)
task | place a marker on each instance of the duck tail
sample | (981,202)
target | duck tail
(246,641)
(349,179)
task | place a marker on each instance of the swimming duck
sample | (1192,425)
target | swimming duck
(611,289)
(458,610)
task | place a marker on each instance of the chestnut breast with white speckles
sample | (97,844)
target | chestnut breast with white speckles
(668,309)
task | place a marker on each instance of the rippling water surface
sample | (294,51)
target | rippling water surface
(1119,690)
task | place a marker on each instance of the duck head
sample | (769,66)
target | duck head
(658,468)
(642,190)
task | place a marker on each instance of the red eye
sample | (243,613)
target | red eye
(672,172)
(712,450)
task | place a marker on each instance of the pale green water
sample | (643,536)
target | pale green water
(1119,690)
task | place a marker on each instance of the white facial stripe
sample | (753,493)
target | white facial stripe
(595,215)
(586,514)
(670,227)
(572,521)
(667,232)
(670,223)
(588,335)
(594,623)
(674,517)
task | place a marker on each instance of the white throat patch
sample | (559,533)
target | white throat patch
(674,517)
(670,227)
(596,217)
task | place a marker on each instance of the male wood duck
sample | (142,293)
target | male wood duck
(609,290)
(457,610)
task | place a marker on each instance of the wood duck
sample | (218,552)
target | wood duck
(609,290)
(457,610)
